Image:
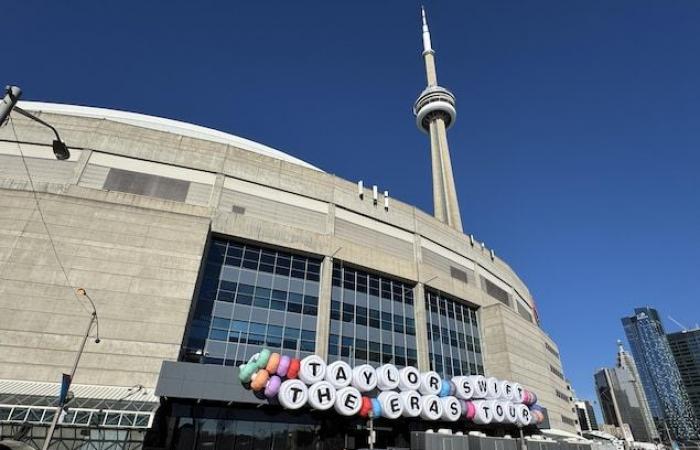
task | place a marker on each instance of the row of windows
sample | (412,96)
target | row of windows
(562,395)
(267,298)
(268,261)
(551,350)
(360,350)
(453,338)
(242,309)
(444,307)
(568,421)
(371,317)
(453,331)
(556,372)
(356,280)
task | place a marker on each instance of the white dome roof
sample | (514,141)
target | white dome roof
(161,124)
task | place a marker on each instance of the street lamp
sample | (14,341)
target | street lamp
(68,378)
(9,104)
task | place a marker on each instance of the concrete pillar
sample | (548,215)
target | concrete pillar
(80,166)
(323,318)
(439,210)
(422,345)
(454,218)
(216,190)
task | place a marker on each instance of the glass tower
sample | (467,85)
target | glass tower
(685,346)
(668,399)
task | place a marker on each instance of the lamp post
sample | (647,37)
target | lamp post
(9,104)
(67,380)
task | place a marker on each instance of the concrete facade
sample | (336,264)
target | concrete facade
(139,256)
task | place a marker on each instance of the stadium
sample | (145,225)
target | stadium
(199,249)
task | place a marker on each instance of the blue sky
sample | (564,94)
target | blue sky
(575,150)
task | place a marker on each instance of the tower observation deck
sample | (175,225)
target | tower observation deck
(435,113)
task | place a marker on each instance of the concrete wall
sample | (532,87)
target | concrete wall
(139,256)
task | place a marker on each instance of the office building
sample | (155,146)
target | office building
(685,346)
(663,386)
(586,415)
(622,398)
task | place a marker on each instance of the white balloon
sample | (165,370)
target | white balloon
(524,415)
(430,383)
(431,407)
(293,394)
(411,403)
(451,408)
(511,413)
(507,392)
(321,395)
(339,374)
(312,369)
(387,377)
(499,411)
(519,393)
(364,378)
(463,387)
(484,413)
(409,379)
(348,401)
(391,404)
(479,384)
(493,388)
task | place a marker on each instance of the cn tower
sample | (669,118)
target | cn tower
(435,113)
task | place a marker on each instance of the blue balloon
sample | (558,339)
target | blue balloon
(376,408)
(444,389)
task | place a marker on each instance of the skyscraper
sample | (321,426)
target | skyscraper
(586,415)
(659,374)
(622,398)
(435,114)
(685,346)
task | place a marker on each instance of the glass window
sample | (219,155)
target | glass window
(359,315)
(453,350)
(263,297)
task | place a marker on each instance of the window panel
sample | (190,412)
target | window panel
(450,332)
(260,292)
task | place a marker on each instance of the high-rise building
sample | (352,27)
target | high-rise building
(200,248)
(622,398)
(685,346)
(662,382)
(586,415)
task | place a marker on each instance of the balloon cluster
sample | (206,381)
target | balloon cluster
(397,392)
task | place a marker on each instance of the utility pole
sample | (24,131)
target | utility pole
(62,398)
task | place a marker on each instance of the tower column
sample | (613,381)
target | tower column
(439,209)
(454,218)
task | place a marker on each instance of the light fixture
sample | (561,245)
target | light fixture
(9,104)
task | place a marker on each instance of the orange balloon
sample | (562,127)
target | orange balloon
(259,380)
(272,363)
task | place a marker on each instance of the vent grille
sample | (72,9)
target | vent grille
(495,291)
(458,274)
(237,209)
(146,184)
